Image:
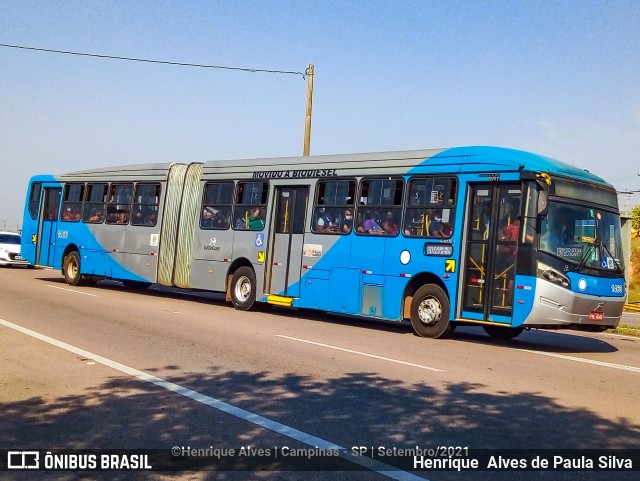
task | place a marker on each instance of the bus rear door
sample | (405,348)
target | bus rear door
(285,262)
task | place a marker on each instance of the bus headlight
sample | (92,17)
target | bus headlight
(552,275)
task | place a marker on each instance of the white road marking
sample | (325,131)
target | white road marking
(71,290)
(283,429)
(581,359)
(361,353)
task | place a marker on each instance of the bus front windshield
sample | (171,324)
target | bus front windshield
(584,236)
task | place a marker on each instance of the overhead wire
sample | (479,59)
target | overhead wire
(164,62)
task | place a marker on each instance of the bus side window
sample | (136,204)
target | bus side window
(430,209)
(217,202)
(333,207)
(72,202)
(380,206)
(250,207)
(119,203)
(94,204)
(145,206)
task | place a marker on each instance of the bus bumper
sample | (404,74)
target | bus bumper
(556,307)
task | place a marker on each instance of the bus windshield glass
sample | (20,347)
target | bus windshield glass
(583,236)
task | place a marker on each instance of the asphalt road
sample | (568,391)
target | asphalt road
(103,367)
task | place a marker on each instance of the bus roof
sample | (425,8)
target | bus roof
(458,159)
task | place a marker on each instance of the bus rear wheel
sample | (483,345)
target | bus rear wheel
(243,289)
(71,269)
(500,332)
(430,312)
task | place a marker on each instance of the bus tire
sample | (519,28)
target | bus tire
(71,269)
(430,312)
(503,333)
(243,289)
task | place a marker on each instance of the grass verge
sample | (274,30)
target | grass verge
(625,330)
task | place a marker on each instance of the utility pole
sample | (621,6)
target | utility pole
(307,121)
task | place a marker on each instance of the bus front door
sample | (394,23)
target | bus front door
(285,261)
(491,249)
(47,232)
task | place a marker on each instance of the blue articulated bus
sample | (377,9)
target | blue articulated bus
(485,236)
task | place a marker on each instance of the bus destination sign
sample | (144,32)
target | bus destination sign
(444,250)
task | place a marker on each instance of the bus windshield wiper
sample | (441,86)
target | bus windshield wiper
(587,253)
(618,267)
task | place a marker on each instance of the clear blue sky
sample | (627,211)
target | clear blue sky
(560,78)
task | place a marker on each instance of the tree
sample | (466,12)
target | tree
(635,217)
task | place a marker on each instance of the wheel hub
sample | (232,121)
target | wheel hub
(429,311)
(243,288)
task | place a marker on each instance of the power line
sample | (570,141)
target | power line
(164,62)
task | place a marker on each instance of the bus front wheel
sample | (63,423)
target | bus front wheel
(71,269)
(430,312)
(243,289)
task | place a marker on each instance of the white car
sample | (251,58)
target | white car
(10,250)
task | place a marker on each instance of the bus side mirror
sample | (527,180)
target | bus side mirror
(543,202)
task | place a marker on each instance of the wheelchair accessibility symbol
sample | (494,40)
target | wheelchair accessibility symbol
(259,240)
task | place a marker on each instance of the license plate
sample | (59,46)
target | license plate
(596,316)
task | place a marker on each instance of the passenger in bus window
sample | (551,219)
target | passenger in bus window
(389,226)
(70,215)
(151,219)
(96,215)
(138,216)
(437,228)
(206,219)
(123,217)
(255,219)
(347,221)
(370,224)
(326,222)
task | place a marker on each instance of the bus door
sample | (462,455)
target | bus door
(287,240)
(46,243)
(491,249)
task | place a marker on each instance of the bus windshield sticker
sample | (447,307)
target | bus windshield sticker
(444,250)
(312,250)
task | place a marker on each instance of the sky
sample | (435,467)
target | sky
(558,78)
